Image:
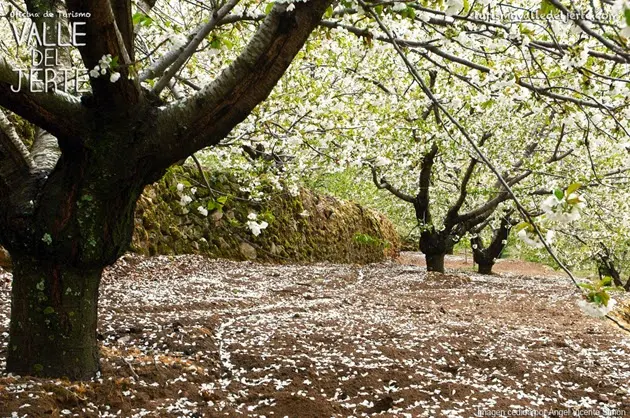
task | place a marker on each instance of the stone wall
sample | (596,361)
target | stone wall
(305,228)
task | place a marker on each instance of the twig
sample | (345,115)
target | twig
(133,372)
(203,174)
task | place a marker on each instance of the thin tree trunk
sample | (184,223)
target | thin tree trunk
(53,320)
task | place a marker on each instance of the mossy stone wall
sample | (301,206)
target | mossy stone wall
(306,228)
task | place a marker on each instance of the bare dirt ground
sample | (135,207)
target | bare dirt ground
(186,336)
(464,263)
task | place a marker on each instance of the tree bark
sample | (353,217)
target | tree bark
(81,222)
(485,268)
(435,262)
(53,319)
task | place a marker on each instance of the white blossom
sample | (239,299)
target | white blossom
(203,211)
(382,161)
(95,72)
(592,309)
(185,200)
(256,227)
(531,238)
(454,7)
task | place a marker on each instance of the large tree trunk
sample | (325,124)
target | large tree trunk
(435,246)
(81,222)
(53,319)
(435,262)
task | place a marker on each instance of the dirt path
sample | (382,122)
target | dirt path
(186,336)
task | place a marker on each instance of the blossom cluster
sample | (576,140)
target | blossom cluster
(563,210)
(105,65)
(254,226)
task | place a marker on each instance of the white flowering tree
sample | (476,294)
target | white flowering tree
(547,80)
(67,202)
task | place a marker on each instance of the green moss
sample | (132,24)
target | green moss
(24,129)
(328,233)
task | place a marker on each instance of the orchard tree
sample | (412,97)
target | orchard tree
(485,256)
(67,203)
(460,214)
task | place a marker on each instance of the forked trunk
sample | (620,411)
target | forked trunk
(53,320)
(435,246)
(484,257)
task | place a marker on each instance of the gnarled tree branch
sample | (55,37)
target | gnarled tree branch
(384,184)
(57,112)
(15,161)
(208,116)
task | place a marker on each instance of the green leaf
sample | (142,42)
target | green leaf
(546,8)
(595,298)
(269,7)
(329,11)
(215,43)
(141,19)
(626,15)
(521,226)
(559,194)
(138,18)
(222,199)
(114,63)
(572,188)
(606,280)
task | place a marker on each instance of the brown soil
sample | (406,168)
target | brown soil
(463,262)
(187,336)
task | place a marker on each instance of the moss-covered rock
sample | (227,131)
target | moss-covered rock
(305,228)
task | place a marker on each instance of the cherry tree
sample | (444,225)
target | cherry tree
(67,203)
